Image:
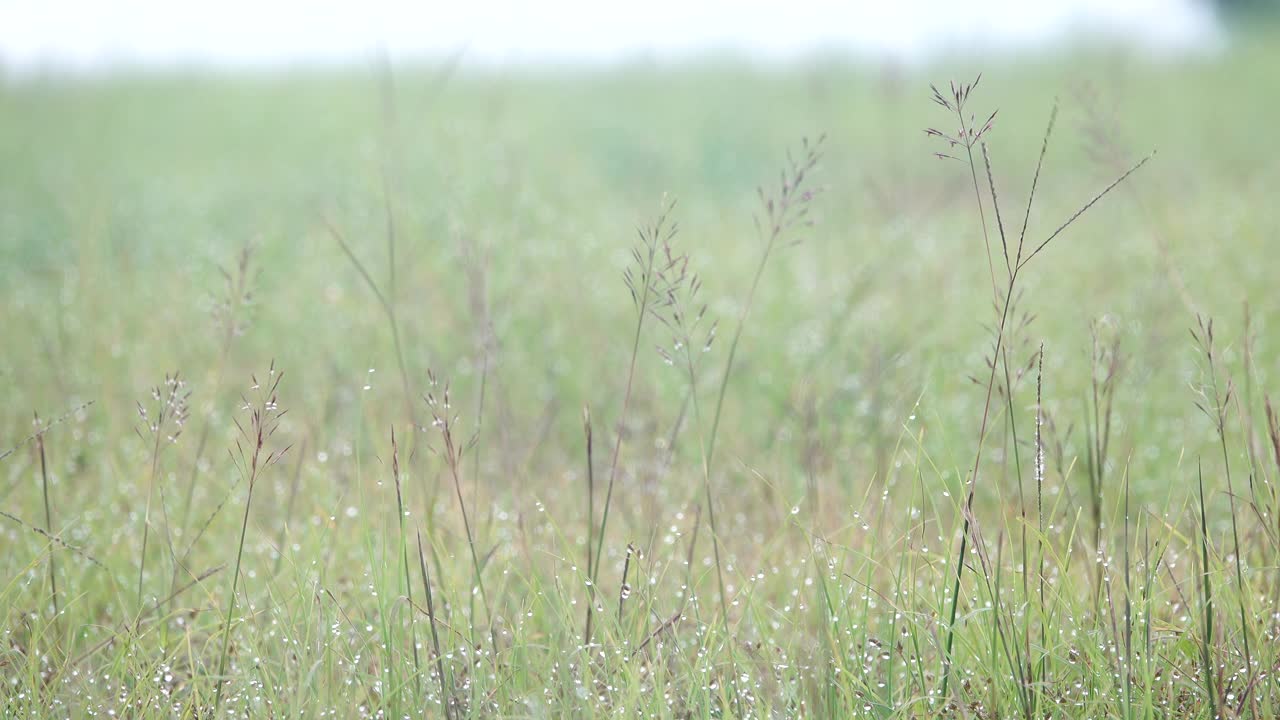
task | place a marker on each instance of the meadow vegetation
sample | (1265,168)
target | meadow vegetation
(659,392)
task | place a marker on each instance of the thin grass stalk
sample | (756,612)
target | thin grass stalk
(1152,569)
(1085,208)
(643,304)
(1026,672)
(444,421)
(968,506)
(1095,466)
(46,428)
(486,343)
(404,551)
(1127,666)
(288,506)
(684,317)
(1246,411)
(1044,639)
(136,625)
(163,424)
(1273,434)
(1012,651)
(969,137)
(647,285)
(48,517)
(146,514)
(388,309)
(1105,367)
(624,590)
(54,539)
(168,535)
(445,699)
(1018,665)
(591,521)
(231,601)
(1206,640)
(973,132)
(238,296)
(265,416)
(1220,402)
(997,634)
(783,212)
(1241,590)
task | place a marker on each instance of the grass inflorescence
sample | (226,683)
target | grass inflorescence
(796,507)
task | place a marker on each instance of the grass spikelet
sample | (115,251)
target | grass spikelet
(444,420)
(648,281)
(160,426)
(253,456)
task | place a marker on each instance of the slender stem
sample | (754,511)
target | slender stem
(1241,594)
(235,580)
(388,309)
(452,459)
(1207,640)
(146,516)
(404,550)
(715,421)
(643,297)
(973,486)
(733,349)
(709,455)
(48,522)
(591,522)
(265,420)
(622,417)
(435,636)
(203,441)
(237,296)
(625,589)
(288,506)
(982,213)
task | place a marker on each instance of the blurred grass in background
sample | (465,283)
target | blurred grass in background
(122,198)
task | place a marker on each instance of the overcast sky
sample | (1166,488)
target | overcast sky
(90,33)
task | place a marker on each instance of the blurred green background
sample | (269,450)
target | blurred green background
(511,196)
(515,198)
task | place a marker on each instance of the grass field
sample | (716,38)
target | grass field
(441,444)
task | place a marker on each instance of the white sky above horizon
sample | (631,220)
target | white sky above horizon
(88,34)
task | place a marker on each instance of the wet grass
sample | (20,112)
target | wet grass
(848,453)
